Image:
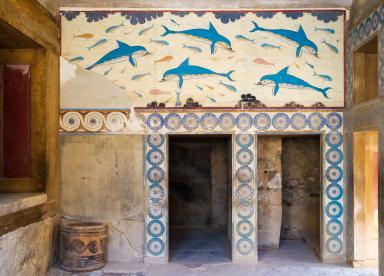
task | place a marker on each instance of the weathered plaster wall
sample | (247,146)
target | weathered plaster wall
(102,180)
(27,250)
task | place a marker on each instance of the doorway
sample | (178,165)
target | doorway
(200,198)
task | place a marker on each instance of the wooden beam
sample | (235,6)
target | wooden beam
(19,185)
(22,218)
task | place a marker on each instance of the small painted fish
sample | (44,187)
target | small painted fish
(98,43)
(122,87)
(164,59)
(228,86)
(210,87)
(143,31)
(330,46)
(324,77)
(193,48)
(138,94)
(126,33)
(244,38)
(262,61)
(161,42)
(156,92)
(114,27)
(140,76)
(86,36)
(107,72)
(122,71)
(297,65)
(328,30)
(200,88)
(78,58)
(174,22)
(212,99)
(221,94)
(267,45)
(310,65)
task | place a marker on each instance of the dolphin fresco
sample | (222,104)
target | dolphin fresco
(123,50)
(298,37)
(211,35)
(282,77)
(185,69)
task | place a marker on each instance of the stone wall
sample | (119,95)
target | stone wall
(27,250)
(102,180)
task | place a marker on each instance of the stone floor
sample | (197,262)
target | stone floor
(293,258)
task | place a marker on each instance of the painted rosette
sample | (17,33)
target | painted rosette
(190,121)
(155,246)
(156,192)
(334,227)
(244,193)
(156,210)
(244,157)
(334,156)
(382,15)
(298,121)
(155,157)
(226,121)
(155,174)
(375,21)
(208,121)
(244,228)
(334,139)
(334,245)
(71,121)
(244,174)
(262,121)
(173,121)
(155,140)
(115,121)
(244,246)
(334,209)
(368,26)
(93,121)
(280,121)
(334,191)
(334,121)
(245,210)
(155,121)
(244,140)
(155,228)
(361,31)
(316,121)
(244,121)
(334,174)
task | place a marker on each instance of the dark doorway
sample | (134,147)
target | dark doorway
(199,198)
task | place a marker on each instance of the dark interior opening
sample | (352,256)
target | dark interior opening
(199,198)
(289,171)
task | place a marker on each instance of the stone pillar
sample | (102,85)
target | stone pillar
(269,191)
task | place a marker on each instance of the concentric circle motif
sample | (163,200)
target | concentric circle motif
(71,121)
(244,193)
(334,120)
(156,210)
(156,192)
(173,121)
(334,191)
(244,157)
(155,121)
(155,157)
(92,247)
(244,228)
(334,174)
(334,139)
(382,15)
(155,140)
(334,156)
(244,174)
(115,121)
(280,121)
(334,245)
(334,209)
(208,121)
(334,227)
(244,121)
(78,246)
(355,36)
(190,121)
(93,121)
(244,140)
(262,121)
(375,20)
(155,174)
(244,246)
(361,31)
(245,210)
(298,121)
(155,228)
(155,246)
(368,26)
(226,121)
(316,121)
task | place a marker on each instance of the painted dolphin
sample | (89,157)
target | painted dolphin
(282,77)
(298,37)
(185,69)
(211,35)
(123,50)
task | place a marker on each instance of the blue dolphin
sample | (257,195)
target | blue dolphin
(123,50)
(185,69)
(211,35)
(298,37)
(282,77)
